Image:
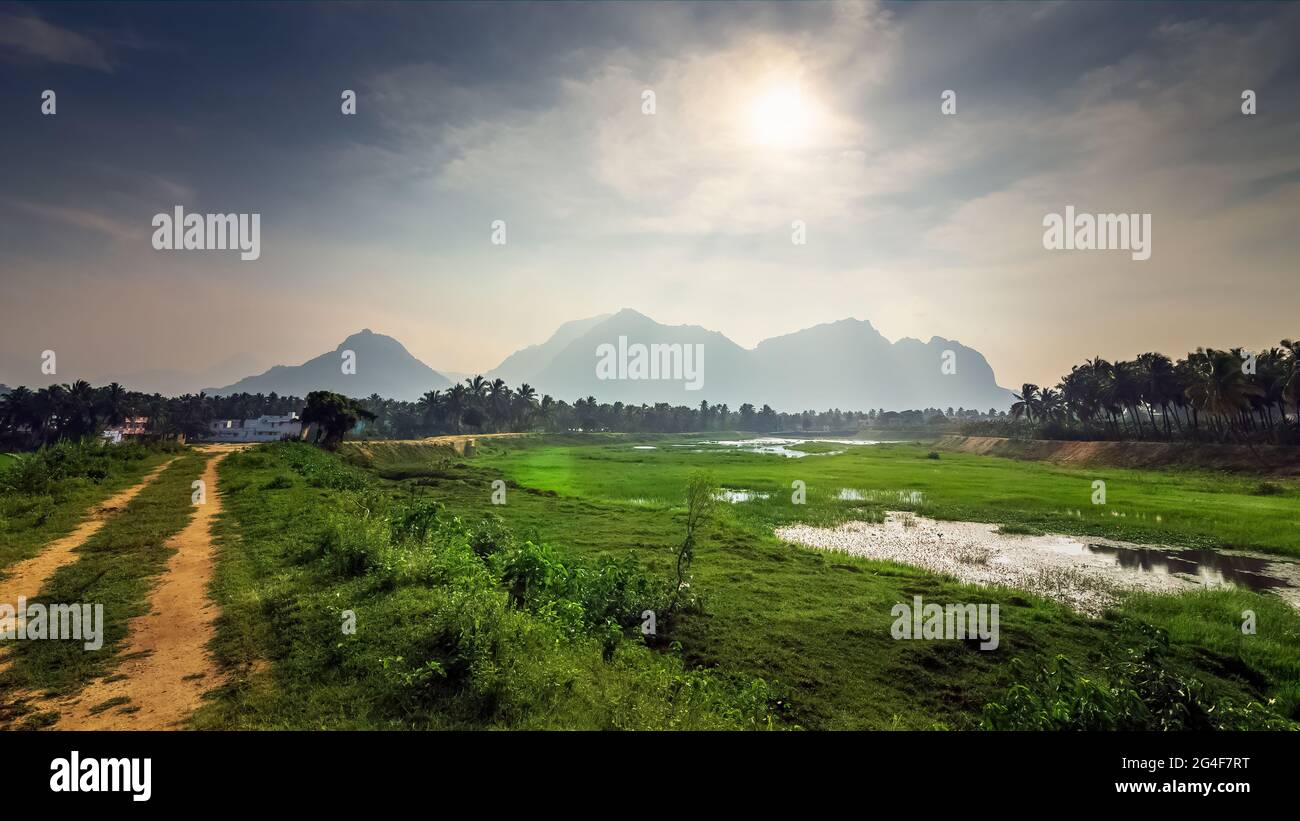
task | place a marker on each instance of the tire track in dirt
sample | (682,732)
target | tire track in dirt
(166,667)
(27,577)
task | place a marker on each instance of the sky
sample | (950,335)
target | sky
(765,115)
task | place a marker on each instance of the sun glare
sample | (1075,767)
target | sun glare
(778,118)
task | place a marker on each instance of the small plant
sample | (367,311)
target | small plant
(415,520)
(701,492)
(934,454)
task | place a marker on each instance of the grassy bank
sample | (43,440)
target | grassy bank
(456,626)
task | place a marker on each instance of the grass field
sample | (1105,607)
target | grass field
(787,637)
(58,488)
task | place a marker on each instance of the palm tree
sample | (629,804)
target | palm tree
(477,386)
(456,399)
(524,398)
(112,404)
(430,405)
(1050,405)
(1026,404)
(1219,387)
(499,403)
(1159,386)
(1291,391)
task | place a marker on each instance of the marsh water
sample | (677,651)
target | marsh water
(1211,567)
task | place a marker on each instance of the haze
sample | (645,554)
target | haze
(828,114)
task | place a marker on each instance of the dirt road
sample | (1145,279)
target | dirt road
(167,667)
(26,578)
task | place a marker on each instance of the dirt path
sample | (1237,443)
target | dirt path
(26,578)
(167,667)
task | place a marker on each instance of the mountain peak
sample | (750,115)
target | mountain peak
(381,363)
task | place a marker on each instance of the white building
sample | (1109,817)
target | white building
(261,429)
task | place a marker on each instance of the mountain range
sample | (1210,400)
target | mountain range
(846,364)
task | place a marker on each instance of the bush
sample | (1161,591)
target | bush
(43,472)
(491,537)
(416,520)
(1137,692)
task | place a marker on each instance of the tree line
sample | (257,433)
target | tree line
(1209,395)
(32,418)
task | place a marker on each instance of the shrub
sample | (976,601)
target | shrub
(535,572)
(491,537)
(1136,693)
(416,520)
(44,471)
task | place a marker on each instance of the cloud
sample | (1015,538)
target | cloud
(85,220)
(33,37)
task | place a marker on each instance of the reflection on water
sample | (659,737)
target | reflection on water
(782,446)
(1213,568)
(737,496)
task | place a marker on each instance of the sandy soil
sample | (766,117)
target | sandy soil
(456,442)
(167,667)
(973,552)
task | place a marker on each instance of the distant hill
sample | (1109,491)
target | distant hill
(846,364)
(383,366)
(523,364)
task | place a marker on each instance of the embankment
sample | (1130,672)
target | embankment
(1262,459)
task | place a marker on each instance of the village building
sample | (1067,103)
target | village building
(261,429)
(131,429)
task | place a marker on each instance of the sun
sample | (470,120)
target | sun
(779,117)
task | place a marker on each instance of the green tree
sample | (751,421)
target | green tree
(334,415)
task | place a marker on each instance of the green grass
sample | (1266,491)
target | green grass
(439,642)
(116,568)
(447,636)
(1179,508)
(814,626)
(33,516)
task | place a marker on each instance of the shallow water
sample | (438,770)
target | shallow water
(1084,572)
(781,445)
(738,496)
(911,497)
(1215,569)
